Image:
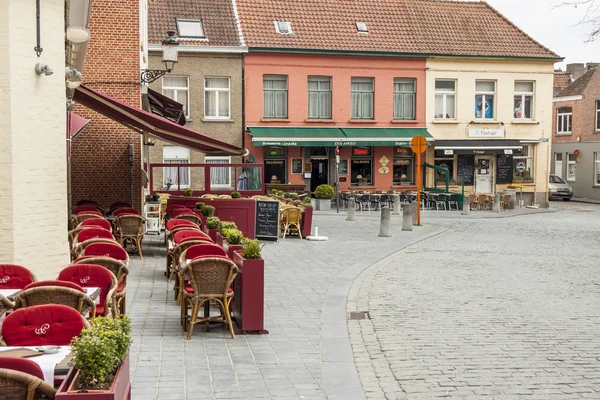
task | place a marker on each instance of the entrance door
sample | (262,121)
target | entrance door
(483,175)
(320,173)
(558,164)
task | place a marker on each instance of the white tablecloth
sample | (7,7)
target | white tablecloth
(47,362)
(8,292)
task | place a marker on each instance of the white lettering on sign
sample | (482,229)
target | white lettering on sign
(448,152)
(345,143)
(508,151)
(42,329)
(486,133)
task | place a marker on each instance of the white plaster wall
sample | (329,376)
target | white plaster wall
(33,184)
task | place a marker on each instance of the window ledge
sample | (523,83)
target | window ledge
(403,121)
(320,121)
(563,134)
(216,120)
(485,121)
(274,120)
(361,121)
(445,121)
(524,121)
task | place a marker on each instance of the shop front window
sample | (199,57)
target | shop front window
(275,164)
(403,166)
(571,167)
(361,166)
(447,163)
(523,165)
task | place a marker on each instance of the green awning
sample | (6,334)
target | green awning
(329,137)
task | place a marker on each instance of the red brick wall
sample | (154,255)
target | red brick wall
(100,168)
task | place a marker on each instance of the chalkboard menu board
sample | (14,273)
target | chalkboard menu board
(267,219)
(465,171)
(504,170)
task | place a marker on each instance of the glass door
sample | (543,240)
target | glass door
(483,175)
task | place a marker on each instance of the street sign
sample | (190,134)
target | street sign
(418,144)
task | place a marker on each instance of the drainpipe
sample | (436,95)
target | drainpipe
(243,105)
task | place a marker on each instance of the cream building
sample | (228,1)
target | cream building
(492,121)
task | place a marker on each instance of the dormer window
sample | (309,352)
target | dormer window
(190,28)
(362,27)
(283,27)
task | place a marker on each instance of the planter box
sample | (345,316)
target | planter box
(230,248)
(120,390)
(323,204)
(219,239)
(249,299)
(307,222)
(212,233)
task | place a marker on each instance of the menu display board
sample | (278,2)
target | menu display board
(267,219)
(466,169)
(504,169)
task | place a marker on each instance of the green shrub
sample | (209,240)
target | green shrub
(325,192)
(207,211)
(233,236)
(280,193)
(251,249)
(235,195)
(306,200)
(212,222)
(188,192)
(295,197)
(227,225)
(199,205)
(287,195)
(99,351)
(274,191)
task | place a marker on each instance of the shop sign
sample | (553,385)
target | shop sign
(361,151)
(400,161)
(448,152)
(274,162)
(486,133)
(361,161)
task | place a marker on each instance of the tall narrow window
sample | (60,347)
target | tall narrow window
(445,99)
(220,177)
(404,98)
(176,176)
(597,169)
(361,166)
(319,97)
(177,88)
(485,96)
(216,98)
(564,119)
(597,115)
(523,100)
(523,165)
(275,96)
(571,167)
(362,98)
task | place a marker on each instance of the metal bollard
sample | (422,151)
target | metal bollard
(466,206)
(396,205)
(351,209)
(413,210)
(384,223)
(496,205)
(407,218)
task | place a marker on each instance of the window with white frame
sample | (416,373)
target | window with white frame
(485,96)
(564,120)
(597,169)
(275,96)
(523,165)
(523,104)
(177,88)
(445,99)
(362,98)
(189,28)
(220,177)
(283,27)
(174,175)
(404,98)
(216,98)
(571,167)
(319,97)
(597,115)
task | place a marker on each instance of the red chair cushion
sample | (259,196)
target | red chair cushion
(117,204)
(83,208)
(96,212)
(97,222)
(172,223)
(182,211)
(86,202)
(94,233)
(200,250)
(199,237)
(44,325)
(171,207)
(14,276)
(188,288)
(126,211)
(55,283)
(120,287)
(22,365)
(107,250)
(182,236)
(89,275)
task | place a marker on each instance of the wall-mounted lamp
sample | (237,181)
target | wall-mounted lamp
(73,78)
(170,49)
(150,141)
(43,69)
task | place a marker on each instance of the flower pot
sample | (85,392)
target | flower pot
(230,248)
(249,298)
(119,390)
(219,239)
(307,221)
(323,204)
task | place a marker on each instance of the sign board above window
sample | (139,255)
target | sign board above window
(361,151)
(486,133)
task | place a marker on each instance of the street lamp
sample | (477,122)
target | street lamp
(170,48)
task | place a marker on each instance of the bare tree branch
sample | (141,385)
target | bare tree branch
(591,15)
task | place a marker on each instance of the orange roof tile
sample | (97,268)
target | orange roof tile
(562,79)
(578,87)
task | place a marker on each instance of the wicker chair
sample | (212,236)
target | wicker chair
(290,220)
(80,248)
(113,250)
(210,280)
(505,201)
(120,271)
(131,231)
(23,379)
(173,256)
(79,218)
(208,196)
(93,275)
(169,234)
(473,201)
(56,292)
(179,237)
(5,305)
(190,217)
(15,277)
(195,251)
(96,222)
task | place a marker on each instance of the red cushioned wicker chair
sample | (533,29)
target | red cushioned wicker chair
(21,378)
(56,292)
(120,270)
(97,222)
(113,250)
(96,276)
(15,277)
(130,231)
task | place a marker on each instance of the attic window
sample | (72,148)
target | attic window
(283,27)
(362,27)
(191,28)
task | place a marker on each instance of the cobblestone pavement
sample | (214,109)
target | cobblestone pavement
(502,308)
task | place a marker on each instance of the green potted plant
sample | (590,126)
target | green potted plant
(233,241)
(199,205)
(323,195)
(235,195)
(100,357)
(207,211)
(220,236)
(274,191)
(294,196)
(248,303)
(188,192)
(212,227)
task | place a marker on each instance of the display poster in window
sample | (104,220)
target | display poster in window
(466,169)
(343,167)
(504,169)
(296,166)
(267,219)
(361,151)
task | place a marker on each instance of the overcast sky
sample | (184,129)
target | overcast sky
(555,28)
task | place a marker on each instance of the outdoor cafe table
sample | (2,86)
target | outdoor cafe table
(47,362)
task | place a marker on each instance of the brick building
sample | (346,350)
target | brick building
(576,134)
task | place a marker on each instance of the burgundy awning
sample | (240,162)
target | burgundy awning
(76,123)
(144,121)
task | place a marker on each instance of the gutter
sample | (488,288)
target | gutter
(202,49)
